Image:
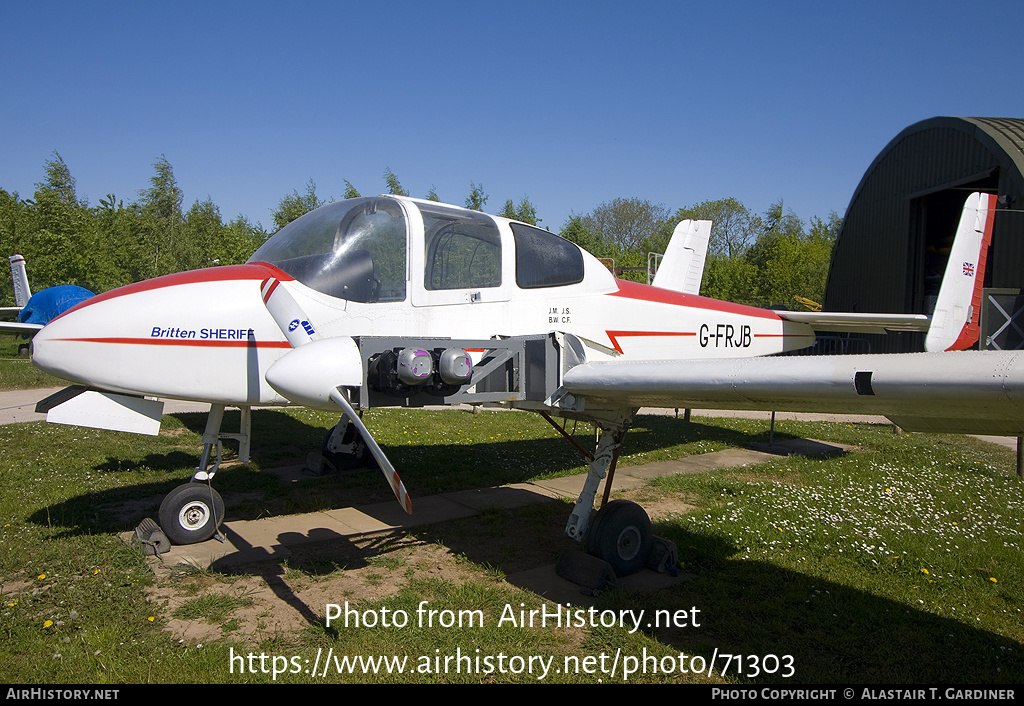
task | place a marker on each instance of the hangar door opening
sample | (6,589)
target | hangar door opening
(934,217)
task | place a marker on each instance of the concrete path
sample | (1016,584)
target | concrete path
(20,405)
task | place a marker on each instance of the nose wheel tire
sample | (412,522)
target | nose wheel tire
(621,535)
(191,513)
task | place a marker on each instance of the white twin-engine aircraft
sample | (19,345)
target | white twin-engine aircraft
(392,301)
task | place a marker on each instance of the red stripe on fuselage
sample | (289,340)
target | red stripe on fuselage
(613,336)
(209,343)
(644,292)
(251,271)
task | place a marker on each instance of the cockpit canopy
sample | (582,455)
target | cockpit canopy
(357,250)
(353,249)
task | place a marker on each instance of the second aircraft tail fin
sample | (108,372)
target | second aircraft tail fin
(682,268)
(19,278)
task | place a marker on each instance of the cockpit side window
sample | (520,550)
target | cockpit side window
(462,249)
(354,250)
(544,259)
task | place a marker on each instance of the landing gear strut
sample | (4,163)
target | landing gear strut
(620,533)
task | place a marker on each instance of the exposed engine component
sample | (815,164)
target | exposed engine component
(404,371)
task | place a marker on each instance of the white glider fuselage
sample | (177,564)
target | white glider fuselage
(206,335)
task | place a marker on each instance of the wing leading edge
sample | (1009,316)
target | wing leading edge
(964,392)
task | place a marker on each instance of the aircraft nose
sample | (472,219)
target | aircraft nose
(200,335)
(49,347)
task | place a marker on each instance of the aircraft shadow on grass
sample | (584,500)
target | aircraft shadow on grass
(283,440)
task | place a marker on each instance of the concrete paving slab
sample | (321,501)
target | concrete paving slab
(504,497)
(802,447)
(545,582)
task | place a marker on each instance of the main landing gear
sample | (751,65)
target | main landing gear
(620,532)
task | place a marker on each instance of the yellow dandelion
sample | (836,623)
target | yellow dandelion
(151,618)
(47,623)
(992,579)
(924,571)
(95,571)
(12,604)
(41,576)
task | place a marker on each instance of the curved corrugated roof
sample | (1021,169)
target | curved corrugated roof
(877,259)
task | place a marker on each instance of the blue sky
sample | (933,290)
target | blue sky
(569,103)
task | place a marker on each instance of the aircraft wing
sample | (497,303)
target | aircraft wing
(16,328)
(857,323)
(964,392)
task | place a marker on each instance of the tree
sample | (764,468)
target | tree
(524,211)
(477,198)
(628,223)
(59,183)
(575,230)
(432,194)
(294,205)
(734,228)
(163,197)
(350,191)
(394,186)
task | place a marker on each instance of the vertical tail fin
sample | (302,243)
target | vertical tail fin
(954,323)
(682,268)
(19,278)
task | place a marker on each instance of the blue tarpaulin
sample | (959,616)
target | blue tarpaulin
(51,303)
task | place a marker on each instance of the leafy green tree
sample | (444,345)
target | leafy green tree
(788,260)
(59,183)
(125,231)
(163,197)
(477,198)
(734,228)
(394,186)
(576,231)
(350,191)
(432,194)
(523,211)
(160,208)
(295,204)
(628,223)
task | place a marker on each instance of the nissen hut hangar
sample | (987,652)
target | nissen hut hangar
(904,213)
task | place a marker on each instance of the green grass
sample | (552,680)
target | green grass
(17,372)
(899,563)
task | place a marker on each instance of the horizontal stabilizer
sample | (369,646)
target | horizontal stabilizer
(857,323)
(682,267)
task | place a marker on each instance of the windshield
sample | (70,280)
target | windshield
(353,249)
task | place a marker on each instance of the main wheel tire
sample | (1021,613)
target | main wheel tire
(191,513)
(621,535)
